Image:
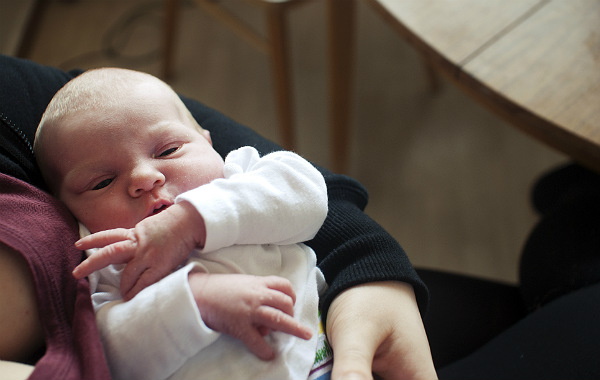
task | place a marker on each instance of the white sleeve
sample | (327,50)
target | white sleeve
(152,335)
(276,199)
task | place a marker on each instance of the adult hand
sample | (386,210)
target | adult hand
(152,249)
(377,328)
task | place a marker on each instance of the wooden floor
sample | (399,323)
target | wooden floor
(447,178)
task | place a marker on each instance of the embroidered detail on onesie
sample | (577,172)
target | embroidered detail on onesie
(321,369)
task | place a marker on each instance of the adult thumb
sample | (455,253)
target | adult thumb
(352,362)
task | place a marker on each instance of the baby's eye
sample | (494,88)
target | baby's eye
(168,152)
(102,184)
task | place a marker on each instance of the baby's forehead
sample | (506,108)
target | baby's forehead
(114,83)
(117,74)
(114,95)
(118,91)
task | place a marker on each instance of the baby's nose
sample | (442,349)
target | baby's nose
(145,179)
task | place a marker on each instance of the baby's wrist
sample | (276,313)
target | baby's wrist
(191,222)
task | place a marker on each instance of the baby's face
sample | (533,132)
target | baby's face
(117,168)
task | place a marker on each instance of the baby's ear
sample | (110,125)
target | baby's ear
(206,135)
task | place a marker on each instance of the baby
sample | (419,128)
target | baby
(222,238)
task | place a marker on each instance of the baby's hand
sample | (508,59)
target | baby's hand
(247,308)
(152,249)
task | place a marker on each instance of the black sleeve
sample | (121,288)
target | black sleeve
(25,90)
(353,249)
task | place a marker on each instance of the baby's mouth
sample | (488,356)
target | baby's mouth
(160,209)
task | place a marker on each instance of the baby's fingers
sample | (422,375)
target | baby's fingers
(103,238)
(137,277)
(256,343)
(275,320)
(282,285)
(117,253)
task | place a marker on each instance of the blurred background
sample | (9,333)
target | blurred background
(447,178)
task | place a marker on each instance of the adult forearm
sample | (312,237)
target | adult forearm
(20,329)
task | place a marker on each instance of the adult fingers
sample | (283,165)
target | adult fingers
(353,337)
(353,358)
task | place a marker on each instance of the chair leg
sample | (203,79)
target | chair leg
(171,14)
(277,36)
(340,20)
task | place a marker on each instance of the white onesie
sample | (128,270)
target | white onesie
(256,218)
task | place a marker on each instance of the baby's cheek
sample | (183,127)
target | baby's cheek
(106,218)
(196,178)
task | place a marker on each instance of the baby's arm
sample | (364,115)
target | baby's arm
(279,199)
(152,335)
(247,307)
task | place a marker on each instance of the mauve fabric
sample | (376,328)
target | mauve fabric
(44,227)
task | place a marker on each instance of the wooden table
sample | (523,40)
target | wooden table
(534,62)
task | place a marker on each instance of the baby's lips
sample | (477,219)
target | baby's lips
(158,207)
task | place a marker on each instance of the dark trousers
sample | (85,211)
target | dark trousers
(547,327)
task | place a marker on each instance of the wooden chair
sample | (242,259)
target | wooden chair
(274,45)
